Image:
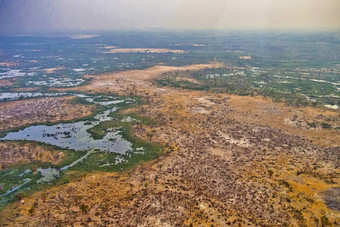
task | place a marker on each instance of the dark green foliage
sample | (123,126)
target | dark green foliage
(286,184)
(312,124)
(325,221)
(270,172)
(326,125)
(84,208)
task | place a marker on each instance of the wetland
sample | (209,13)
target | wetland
(112,151)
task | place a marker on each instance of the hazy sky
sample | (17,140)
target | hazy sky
(53,15)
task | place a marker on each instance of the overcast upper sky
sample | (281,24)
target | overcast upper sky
(26,16)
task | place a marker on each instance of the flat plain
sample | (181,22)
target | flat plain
(213,134)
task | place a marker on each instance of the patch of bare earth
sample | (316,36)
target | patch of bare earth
(8,64)
(5,83)
(52,70)
(113,50)
(14,114)
(221,167)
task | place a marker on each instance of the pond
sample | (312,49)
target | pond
(74,135)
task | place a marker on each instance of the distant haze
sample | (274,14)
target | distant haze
(29,16)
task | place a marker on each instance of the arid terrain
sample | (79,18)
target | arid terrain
(19,113)
(13,153)
(229,160)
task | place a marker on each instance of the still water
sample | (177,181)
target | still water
(74,135)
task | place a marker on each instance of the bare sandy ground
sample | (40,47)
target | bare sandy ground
(52,70)
(122,82)
(142,50)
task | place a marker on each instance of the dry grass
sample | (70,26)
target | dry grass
(13,153)
(265,112)
(16,114)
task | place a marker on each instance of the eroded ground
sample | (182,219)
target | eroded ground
(229,161)
(16,114)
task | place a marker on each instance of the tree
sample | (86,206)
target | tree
(270,172)
(84,208)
